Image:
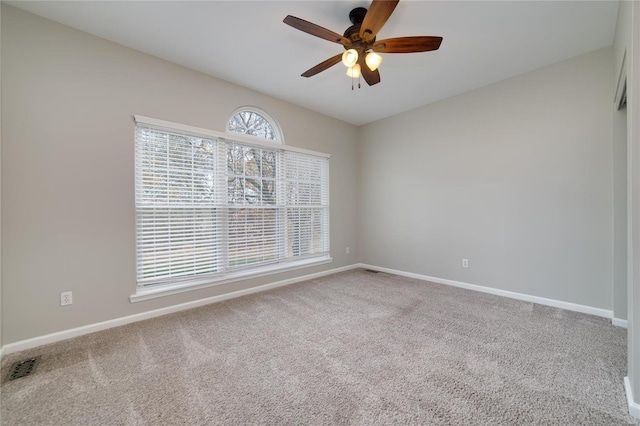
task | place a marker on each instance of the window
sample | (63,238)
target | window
(254,122)
(216,207)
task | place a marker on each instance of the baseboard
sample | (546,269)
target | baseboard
(510,294)
(92,328)
(619,322)
(634,408)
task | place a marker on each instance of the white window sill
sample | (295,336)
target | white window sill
(161,290)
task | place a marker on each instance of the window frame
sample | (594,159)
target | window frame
(197,281)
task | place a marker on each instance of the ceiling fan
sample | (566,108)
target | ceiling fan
(359,40)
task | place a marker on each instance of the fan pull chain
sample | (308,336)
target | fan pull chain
(359,79)
(352,85)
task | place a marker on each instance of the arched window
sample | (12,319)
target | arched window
(255,122)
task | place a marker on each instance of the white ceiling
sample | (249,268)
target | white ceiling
(245,42)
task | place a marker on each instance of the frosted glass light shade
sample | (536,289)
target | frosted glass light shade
(350,58)
(373,60)
(354,71)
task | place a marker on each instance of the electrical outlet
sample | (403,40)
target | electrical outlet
(348,250)
(465,263)
(66,298)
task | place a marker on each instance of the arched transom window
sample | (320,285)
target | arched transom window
(254,122)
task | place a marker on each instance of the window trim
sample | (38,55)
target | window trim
(184,286)
(198,282)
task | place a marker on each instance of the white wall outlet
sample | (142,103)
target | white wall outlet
(348,250)
(465,263)
(66,298)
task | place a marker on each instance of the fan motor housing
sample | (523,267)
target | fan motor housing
(353,32)
(356,16)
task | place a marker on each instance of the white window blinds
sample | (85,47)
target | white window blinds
(207,205)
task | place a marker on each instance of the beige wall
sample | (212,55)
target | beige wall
(516,177)
(0,178)
(620,213)
(68,169)
(627,39)
(623,26)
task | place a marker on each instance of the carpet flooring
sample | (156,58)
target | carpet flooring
(356,348)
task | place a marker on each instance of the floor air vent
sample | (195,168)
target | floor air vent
(23,368)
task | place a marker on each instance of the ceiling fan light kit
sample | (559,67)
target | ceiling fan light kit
(359,41)
(350,58)
(373,60)
(354,71)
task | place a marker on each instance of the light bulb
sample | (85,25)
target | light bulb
(350,58)
(354,71)
(373,60)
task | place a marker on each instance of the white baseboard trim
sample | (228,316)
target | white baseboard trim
(634,408)
(619,322)
(510,294)
(92,328)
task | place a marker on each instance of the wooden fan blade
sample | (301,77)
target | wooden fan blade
(376,16)
(323,66)
(371,77)
(407,44)
(315,30)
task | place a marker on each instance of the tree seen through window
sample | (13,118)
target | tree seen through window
(252,123)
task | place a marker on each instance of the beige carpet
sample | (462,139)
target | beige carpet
(355,348)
